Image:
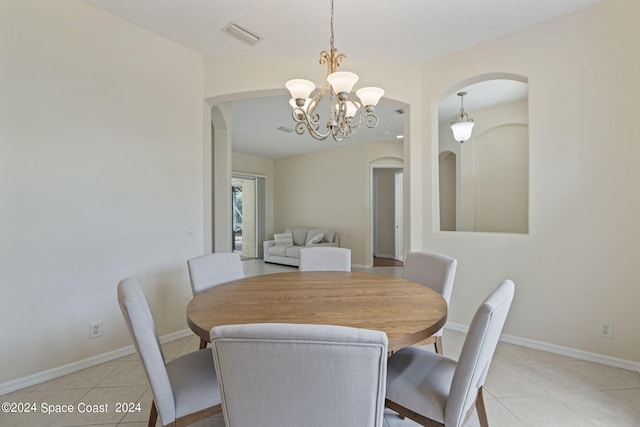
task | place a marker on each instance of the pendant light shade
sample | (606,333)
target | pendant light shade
(462,131)
(463,124)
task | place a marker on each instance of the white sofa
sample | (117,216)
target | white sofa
(285,247)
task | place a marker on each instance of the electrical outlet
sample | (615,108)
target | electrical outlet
(95,329)
(605,328)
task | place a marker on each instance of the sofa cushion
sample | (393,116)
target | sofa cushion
(284,239)
(293,251)
(315,239)
(299,236)
(278,250)
(328,234)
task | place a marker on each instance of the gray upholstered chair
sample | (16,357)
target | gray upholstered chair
(435,271)
(209,270)
(325,259)
(185,390)
(434,390)
(277,374)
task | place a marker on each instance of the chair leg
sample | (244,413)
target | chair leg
(438,345)
(153,416)
(203,344)
(482,412)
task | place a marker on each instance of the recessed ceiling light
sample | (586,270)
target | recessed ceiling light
(399,136)
(242,34)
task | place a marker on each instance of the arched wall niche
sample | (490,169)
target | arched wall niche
(491,170)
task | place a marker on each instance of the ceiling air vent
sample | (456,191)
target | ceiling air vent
(285,129)
(241,34)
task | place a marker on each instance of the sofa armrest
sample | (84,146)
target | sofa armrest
(267,244)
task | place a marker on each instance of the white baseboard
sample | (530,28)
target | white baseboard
(50,374)
(558,349)
(361,266)
(70,368)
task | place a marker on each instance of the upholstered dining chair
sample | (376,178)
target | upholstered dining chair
(434,390)
(325,259)
(209,270)
(435,271)
(277,374)
(185,389)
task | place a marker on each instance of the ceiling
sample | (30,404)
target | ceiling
(409,31)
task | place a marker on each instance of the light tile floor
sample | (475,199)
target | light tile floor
(525,387)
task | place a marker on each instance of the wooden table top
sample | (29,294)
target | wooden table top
(406,311)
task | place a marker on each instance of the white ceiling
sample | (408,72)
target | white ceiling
(411,31)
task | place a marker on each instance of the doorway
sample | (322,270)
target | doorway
(244,223)
(387,214)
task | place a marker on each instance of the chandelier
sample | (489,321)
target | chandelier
(463,124)
(346,113)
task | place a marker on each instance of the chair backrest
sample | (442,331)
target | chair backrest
(145,337)
(325,259)
(209,270)
(477,352)
(274,375)
(433,270)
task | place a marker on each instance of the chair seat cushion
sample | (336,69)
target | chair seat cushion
(194,383)
(420,381)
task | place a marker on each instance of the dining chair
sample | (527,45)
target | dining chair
(434,390)
(209,270)
(437,272)
(278,374)
(185,389)
(325,259)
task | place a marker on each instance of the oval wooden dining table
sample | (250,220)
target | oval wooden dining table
(406,311)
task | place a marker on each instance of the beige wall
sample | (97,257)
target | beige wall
(447,190)
(578,263)
(100,173)
(331,189)
(501,179)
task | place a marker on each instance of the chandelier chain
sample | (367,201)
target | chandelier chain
(331,38)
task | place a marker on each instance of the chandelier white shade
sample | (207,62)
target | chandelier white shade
(300,88)
(370,95)
(345,112)
(463,125)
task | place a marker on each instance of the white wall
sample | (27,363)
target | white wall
(100,173)
(578,264)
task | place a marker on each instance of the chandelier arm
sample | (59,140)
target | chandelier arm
(304,122)
(371,120)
